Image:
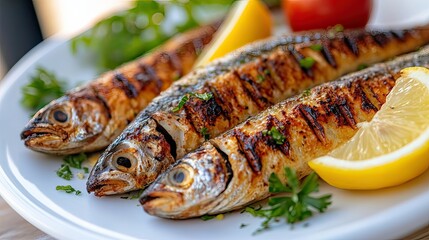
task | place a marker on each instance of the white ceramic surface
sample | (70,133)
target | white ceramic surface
(28,179)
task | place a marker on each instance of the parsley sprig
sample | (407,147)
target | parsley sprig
(297,206)
(74,161)
(43,87)
(68,189)
(276,135)
(203,96)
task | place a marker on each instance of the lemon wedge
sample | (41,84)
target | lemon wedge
(390,149)
(248,21)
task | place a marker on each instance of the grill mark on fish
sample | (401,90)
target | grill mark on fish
(310,117)
(252,90)
(298,57)
(149,74)
(366,104)
(125,85)
(198,45)
(174,61)
(351,44)
(220,102)
(168,138)
(345,111)
(326,53)
(282,128)
(399,34)
(248,146)
(225,157)
(103,102)
(380,38)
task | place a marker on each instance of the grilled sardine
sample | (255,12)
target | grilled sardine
(213,99)
(90,117)
(232,170)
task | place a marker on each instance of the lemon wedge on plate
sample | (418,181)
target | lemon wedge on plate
(248,21)
(390,149)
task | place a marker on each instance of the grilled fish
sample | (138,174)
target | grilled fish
(211,100)
(232,170)
(90,117)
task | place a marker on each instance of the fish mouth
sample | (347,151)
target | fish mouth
(154,202)
(108,187)
(33,132)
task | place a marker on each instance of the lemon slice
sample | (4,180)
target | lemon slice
(390,149)
(249,20)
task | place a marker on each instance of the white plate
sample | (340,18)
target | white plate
(28,179)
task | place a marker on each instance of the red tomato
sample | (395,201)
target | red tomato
(313,14)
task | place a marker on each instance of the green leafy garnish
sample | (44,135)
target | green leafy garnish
(276,135)
(338,28)
(260,79)
(182,102)
(85,170)
(207,217)
(243,225)
(136,194)
(43,87)
(203,96)
(75,161)
(306,93)
(295,207)
(362,66)
(316,47)
(65,172)
(147,24)
(204,133)
(68,189)
(307,62)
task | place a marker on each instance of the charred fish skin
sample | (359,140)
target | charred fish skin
(232,170)
(90,117)
(240,85)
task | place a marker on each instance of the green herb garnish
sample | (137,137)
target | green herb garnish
(306,93)
(243,225)
(316,47)
(131,33)
(75,161)
(307,62)
(267,72)
(338,28)
(362,66)
(276,135)
(296,207)
(204,133)
(203,96)
(136,194)
(43,87)
(68,189)
(85,170)
(65,172)
(207,217)
(260,79)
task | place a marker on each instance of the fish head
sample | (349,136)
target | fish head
(190,186)
(132,161)
(66,126)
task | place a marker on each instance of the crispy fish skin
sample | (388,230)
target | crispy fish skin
(232,170)
(90,117)
(242,84)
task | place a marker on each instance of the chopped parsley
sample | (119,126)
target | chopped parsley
(306,93)
(75,161)
(65,172)
(260,79)
(43,87)
(276,135)
(68,189)
(207,217)
(298,206)
(362,66)
(85,170)
(307,62)
(204,133)
(203,96)
(267,72)
(243,225)
(316,47)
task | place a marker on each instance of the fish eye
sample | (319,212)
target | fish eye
(60,116)
(124,162)
(181,176)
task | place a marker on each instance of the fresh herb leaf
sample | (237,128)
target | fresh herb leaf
(131,33)
(307,62)
(260,79)
(136,194)
(276,135)
(243,225)
(85,169)
(295,207)
(316,47)
(68,189)
(65,172)
(205,134)
(43,87)
(207,217)
(203,96)
(75,161)
(338,28)
(181,103)
(362,66)
(267,72)
(306,93)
